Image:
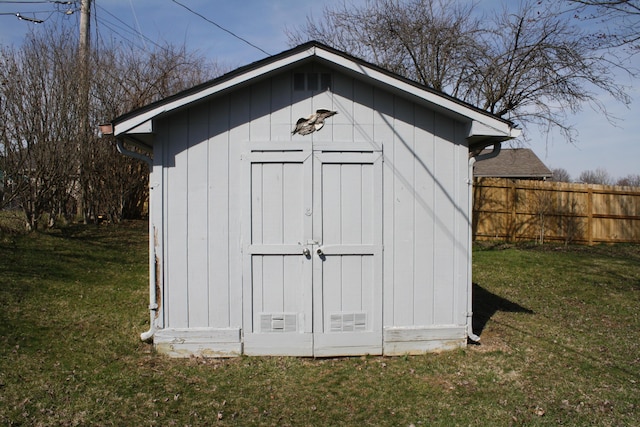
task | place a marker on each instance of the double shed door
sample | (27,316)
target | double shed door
(313,255)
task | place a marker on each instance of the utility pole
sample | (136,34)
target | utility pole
(85,19)
(83,53)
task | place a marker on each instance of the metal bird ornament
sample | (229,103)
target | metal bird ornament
(312,123)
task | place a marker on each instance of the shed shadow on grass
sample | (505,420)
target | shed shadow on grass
(486,304)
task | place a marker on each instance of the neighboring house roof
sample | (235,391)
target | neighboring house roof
(484,128)
(513,163)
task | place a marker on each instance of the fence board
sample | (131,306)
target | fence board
(513,210)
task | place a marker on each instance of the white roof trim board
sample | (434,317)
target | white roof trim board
(490,126)
(483,126)
(172,104)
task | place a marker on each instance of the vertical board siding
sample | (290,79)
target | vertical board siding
(404,213)
(272,285)
(293,195)
(362,112)
(423,174)
(444,235)
(198,225)
(218,162)
(301,105)
(238,134)
(350,203)
(331,227)
(352,283)
(341,100)
(293,298)
(197,213)
(424,211)
(260,112)
(271,215)
(384,124)
(462,251)
(424,205)
(158,196)
(177,297)
(280,102)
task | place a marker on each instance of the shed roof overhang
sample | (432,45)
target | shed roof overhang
(484,129)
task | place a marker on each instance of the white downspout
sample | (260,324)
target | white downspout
(153,297)
(472,160)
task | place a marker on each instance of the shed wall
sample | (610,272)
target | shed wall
(198,154)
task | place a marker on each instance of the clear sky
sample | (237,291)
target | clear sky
(262,23)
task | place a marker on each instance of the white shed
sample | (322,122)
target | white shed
(353,239)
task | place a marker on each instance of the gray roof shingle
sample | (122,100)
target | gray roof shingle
(513,163)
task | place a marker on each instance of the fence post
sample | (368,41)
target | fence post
(514,212)
(590,215)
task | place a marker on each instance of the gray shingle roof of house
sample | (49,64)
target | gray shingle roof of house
(513,163)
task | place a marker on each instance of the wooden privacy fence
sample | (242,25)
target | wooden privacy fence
(512,210)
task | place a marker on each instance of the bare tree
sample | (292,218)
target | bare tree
(617,22)
(531,65)
(570,218)
(543,205)
(125,79)
(631,180)
(537,68)
(39,86)
(561,175)
(429,41)
(50,165)
(598,176)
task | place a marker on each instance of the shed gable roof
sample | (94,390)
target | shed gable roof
(484,128)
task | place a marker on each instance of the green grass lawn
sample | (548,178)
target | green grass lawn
(559,327)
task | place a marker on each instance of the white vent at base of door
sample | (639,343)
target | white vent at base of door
(278,322)
(348,322)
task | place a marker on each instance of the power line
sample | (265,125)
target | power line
(21,15)
(110,24)
(37,2)
(127,28)
(118,30)
(222,28)
(15,13)
(135,17)
(26,18)
(30,16)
